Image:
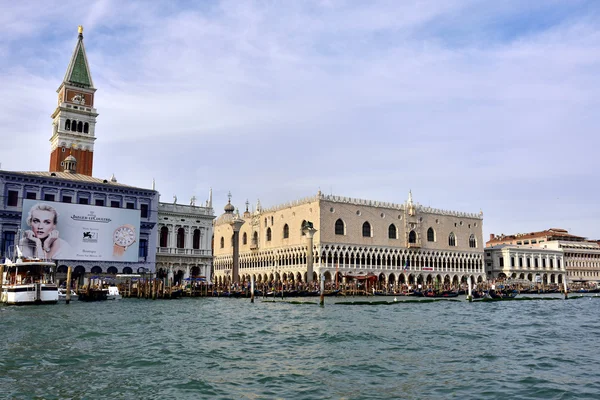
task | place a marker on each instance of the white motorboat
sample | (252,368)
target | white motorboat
(62,294)
(113,293)
(28,281)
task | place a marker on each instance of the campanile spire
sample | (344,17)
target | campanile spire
(74,120)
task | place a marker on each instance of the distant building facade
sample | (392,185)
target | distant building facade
(184,240)
(581,256)
(72,188)
(400,243)
(532,263)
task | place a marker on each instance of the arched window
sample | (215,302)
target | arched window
(222,242)
(180,238)
(451,239)
(366,229)
(68,125)
(112,270)
(412,237)
(392,232)
(265,222)
(127,270)
(196,244)
(80,126)
(86,128)
(286,231)
(255,239)
(430,235)
(245,238)
(301,226)
(472,241)
(73,126)
(339,227)
(96,270)
(268,234)
(164,237)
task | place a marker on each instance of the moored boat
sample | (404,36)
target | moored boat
(62,294)
(28,281)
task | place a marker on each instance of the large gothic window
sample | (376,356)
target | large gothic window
(430,235)
(164,237)
(180,238)
(196,243)
(268,234)
(392,232)
(366,229)
(245,238)
(302,226)
(412,237)
(472,241)
(286,231)
(451,239)
(222,242)
(339,227)
(255,239)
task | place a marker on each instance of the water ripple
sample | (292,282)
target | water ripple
(230,348)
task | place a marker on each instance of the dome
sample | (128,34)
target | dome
(70,158)
(229,208)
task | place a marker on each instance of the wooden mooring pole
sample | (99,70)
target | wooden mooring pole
(252,289)
(68,285)
(322,301)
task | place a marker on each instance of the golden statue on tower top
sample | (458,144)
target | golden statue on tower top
(80,29)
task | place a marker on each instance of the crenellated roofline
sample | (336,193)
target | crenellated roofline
(363,202)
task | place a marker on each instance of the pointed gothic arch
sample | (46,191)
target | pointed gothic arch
(340,227)
(392,232)
(286,231)
(451,239)
(430,235)
(366,229)
(472,241)
(412,237)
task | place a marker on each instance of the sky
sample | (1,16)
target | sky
(470,104)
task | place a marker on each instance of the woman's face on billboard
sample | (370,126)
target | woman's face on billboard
(42,223)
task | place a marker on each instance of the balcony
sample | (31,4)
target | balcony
(183,252)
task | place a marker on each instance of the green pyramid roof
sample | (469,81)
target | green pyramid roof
(78,71)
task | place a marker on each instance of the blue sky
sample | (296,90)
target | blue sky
(472,105)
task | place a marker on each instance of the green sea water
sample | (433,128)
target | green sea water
(219,348)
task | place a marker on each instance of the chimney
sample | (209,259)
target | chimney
(492,236)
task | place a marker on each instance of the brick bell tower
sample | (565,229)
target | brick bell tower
(74,120)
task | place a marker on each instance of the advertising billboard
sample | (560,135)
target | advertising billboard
(65,231)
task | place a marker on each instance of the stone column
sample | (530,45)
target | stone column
(310,232)
(236,224)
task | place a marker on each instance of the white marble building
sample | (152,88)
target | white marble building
(531,263)
(185,240)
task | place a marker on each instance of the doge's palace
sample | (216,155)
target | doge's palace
(400,243)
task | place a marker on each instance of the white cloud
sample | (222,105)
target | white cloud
(455,100)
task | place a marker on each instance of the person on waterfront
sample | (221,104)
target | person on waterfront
(42,240)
